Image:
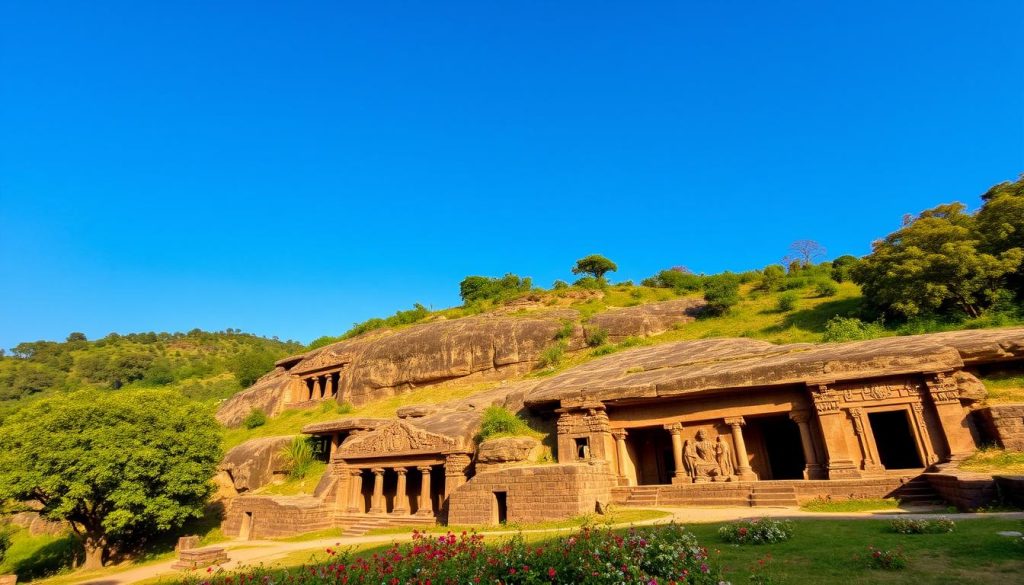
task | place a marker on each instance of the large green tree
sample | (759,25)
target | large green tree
(935,264)
(596,265)
(115,465)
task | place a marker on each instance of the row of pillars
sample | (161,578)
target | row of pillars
(743,469)
(377,504)
(322,386)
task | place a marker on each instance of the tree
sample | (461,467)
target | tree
(721,292)
(772,277)
(805,251)
(76,336)
(595,265)
(114,465)
(478,288)
(934,265)
(249,366)
(842,267)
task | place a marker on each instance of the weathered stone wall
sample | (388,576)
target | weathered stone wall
(533,494)
(252,465)
(966,491)
(1003,424)
(276,517)
(739,493)
(1011,489)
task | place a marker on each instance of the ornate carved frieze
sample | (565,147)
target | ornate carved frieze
(394,438)
(875,391)
(943,389)
(321,361)
(591,419)
(825,399)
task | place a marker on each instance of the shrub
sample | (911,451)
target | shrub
(772,277)
(299,454)
(851,329)
(887,560)
(922,526)
(721,292)
(787,301)
(498,422)
(678,279)
(560,284)
(594,556)
(256,418)
(5,540)
(826,288)
(596,336)
(481,288)
(589,282)
(842,268)
(343,408)
(759,531)
(414,315)
(552,356)
(568,327)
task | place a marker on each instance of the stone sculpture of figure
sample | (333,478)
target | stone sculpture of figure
(705,465)
(689,459)
(724,456)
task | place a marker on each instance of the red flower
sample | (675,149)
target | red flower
(552,572)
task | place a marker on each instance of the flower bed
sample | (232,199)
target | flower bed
(914,526)
(651,555)
(760,531)
(886,560)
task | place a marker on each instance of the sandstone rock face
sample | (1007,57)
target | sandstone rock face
(506,450)
(37,525)
(268,394)
(252,465)
(645,320)
(692,366)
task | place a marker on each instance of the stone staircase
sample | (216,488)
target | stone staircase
(773,495)
(917,492)
(640,496)
(360,524)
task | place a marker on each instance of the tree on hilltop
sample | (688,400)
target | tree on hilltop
(117,466)
(596,265)
(805,252)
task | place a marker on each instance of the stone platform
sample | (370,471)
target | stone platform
(197,558)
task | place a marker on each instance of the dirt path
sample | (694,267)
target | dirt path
(254,552)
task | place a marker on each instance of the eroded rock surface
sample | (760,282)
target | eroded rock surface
(268,394)
(252,465)
(646,320)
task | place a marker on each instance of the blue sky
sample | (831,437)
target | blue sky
(291,168)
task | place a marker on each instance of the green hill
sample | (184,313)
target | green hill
(203,366)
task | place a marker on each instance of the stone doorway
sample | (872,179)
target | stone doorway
(776,446)
(652,447)
(894,439)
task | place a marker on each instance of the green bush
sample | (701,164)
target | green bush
(596,336)
(299,454)
(758,531)
(552,355)
(5,540)
(678,279)
(787,301)
(256,418)
(772,277)
(922,526)
(850,329)
(343,408)
(826,288)
(721,292)
(417,313)
(560,285)
(483,288)
(590,283)
(886,560)
(568,328)
(842,268)
(498,422)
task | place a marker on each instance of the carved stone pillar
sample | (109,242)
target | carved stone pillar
(331,388)
(743,469)
(426,506)
(355,504)
(377,503)
(676,430)
(802,418)
(924,439)
(869,454)
(952,417)
(401,506)
(839,463)
(455,465)
(621,454)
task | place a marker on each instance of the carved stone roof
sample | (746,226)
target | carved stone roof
(395,438)
(322,360)
(343,424)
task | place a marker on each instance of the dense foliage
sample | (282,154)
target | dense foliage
(595,265)
(947,261)
(198,365)
(498,422)
(414,315)
(665,554)
(759,531)
(118,466)
(721,292)
(485,288)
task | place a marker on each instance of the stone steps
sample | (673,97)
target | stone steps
(917,491)
(773,496)
(360,524)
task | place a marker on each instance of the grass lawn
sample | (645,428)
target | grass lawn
(823,551)
(619,516)
(841,506)
(1004,388)
(994,460)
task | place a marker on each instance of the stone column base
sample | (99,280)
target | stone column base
(843,470)
(814,472)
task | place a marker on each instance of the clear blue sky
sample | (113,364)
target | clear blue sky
(289,168)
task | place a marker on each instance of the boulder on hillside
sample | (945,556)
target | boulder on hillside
(252,465)
(506,451)
(268,394)
(646,320)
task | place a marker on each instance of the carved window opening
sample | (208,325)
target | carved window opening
(894,439)
(582,448)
